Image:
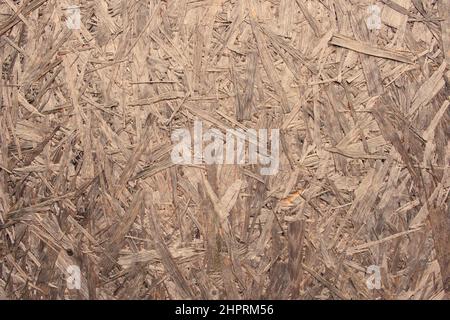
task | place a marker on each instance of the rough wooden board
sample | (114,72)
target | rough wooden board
(365,48)
(394,12)
(86,177)
(444,12)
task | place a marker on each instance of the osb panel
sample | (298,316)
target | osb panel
(86,177)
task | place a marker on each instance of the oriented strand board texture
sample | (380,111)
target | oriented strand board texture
(86,177)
